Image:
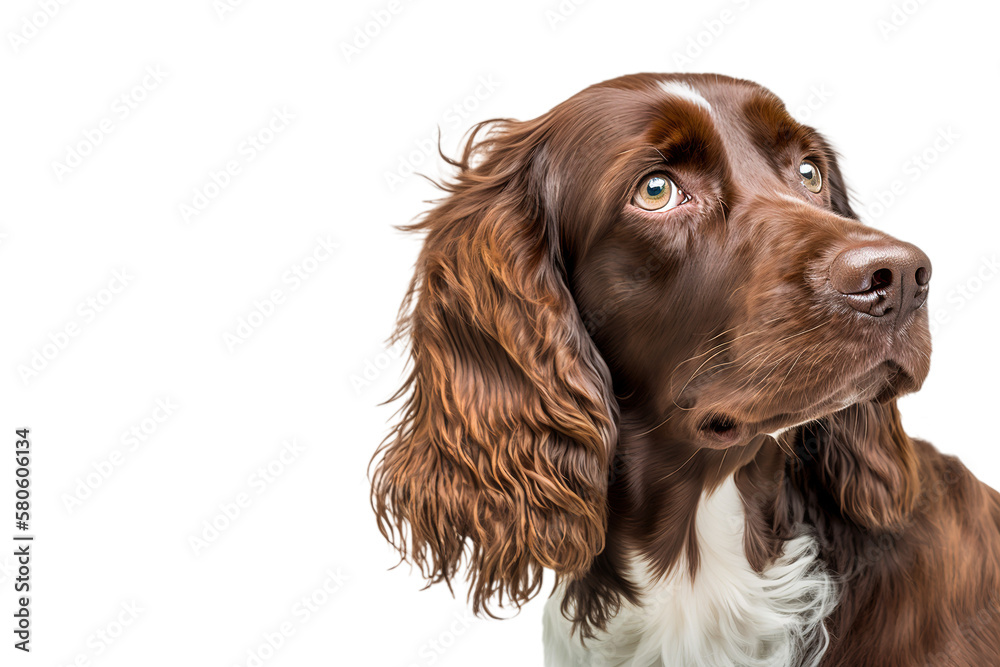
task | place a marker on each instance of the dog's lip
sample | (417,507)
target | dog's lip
(720,430)
(741,430)
(745,430)
(896,379)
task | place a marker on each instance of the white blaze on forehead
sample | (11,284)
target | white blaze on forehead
(685,91)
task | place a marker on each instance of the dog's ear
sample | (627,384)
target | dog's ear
(507,433)
(865,461)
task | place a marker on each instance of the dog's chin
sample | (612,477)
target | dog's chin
(898,382)
(883,383)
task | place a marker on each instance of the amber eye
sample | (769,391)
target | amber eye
(658,193)
(811,178)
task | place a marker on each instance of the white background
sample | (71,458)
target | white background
(316,369)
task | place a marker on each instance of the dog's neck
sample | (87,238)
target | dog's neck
(694,547)
(658,479)
(657,483)
(663,482)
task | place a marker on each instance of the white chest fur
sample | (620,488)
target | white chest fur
(728,616)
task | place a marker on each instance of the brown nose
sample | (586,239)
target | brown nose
(882,277)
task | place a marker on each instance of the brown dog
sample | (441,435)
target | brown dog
(655,351)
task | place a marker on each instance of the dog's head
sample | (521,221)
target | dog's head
(676,248)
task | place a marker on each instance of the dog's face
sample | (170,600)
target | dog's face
(718,266)
(672,256)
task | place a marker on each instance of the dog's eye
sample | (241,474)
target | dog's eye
(658,193)
(810,176)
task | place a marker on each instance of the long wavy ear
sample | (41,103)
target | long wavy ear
(866,462)
(506,438)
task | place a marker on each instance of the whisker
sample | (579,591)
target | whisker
(668,475)
(655,427)
(790,368)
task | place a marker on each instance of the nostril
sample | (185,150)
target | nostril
(923,276)
(881,278)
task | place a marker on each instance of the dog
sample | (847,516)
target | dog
(654,350)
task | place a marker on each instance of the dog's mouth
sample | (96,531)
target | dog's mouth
(724,411)
(883,383)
